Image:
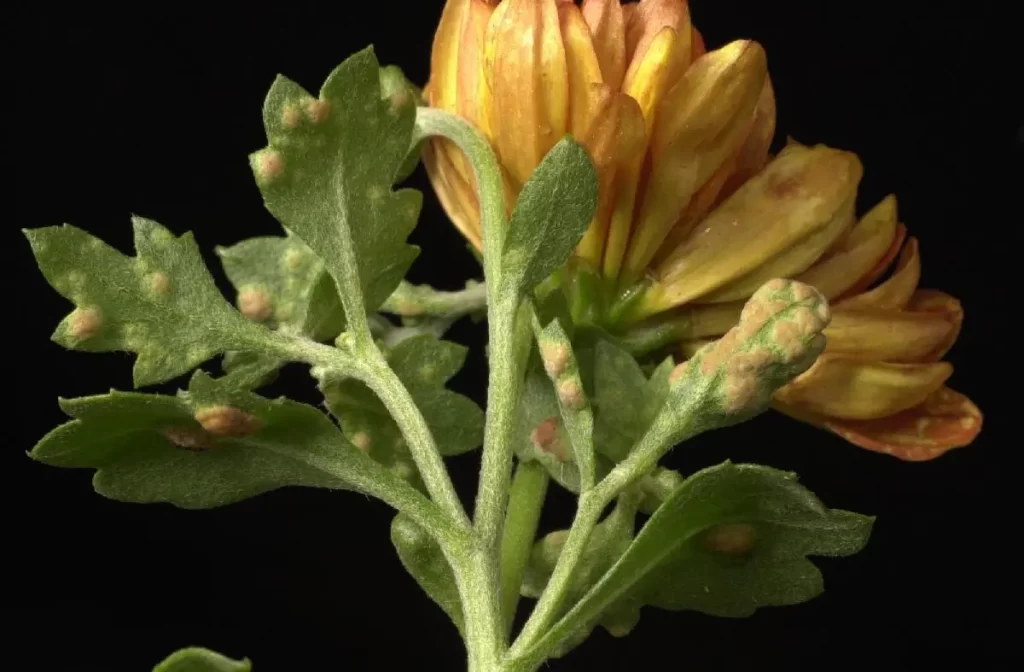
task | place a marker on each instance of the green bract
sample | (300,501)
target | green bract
(566,402)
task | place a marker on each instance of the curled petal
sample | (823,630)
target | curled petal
(525,67)
(888,336)
(473,94)
(698,48)
(849,388)
(457,196)
(444,55)
(857,253)
(753,154)
(801,192)
(701,123)
(879,269)
(608,27)
(894,293)
(933,302)
(944,421)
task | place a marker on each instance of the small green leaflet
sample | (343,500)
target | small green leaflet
(328,170)
(423,363)
(731,539)
(281,283)
(422,558)
(211,446)
(550,217)
(625,400)
(161,304)
(196,659)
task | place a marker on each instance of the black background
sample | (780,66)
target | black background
(153,110)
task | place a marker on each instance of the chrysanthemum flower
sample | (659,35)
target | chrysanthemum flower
(694,213)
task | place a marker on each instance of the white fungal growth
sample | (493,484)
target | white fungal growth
(362,441)
(269,164)
(159,283)
(226,421)
(317,110)
(556,358)
(290,116)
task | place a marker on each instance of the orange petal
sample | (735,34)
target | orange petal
(644,83)
(608,27)
(583,68)
(857,253)
(894,293)
(934,302)
(525,65)
(473,95)
(878,270)
(698,49)
(888,336)
(844,387)
(944,421)
(616,136)
(457,197)
(648,19)
(701,122)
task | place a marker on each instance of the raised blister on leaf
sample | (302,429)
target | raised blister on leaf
(161,304)
(423,364)
(731,539)
(214,445)
(197,659)
(327,177)
(290,279)
(423,559)
(550,217)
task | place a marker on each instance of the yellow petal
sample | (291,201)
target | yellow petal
(584,71)
(944,421)
(789,263)
(616,135)
(647,20)
(753,154)
(457,197)
(608,27)
(880,267)
(444,55)
(645,83)
(894,293)
(843,387)
(887,335)
(746,162)
(934,302)
(701,122)
(525,66)
(799,193)
(859,251)
(473,95)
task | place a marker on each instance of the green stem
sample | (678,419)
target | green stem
(588,513)
(526,499)
(365,363)
(410,300)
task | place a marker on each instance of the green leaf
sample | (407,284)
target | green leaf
(609,540)
(551,215)
(162,304)
(423,364)
(396,88)
(422,558)
(284,285)
(625,400)
(196,659)
(327,174)
(730,539)
(214,445)
(250,370)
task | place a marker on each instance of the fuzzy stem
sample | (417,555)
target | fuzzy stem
(526,499)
